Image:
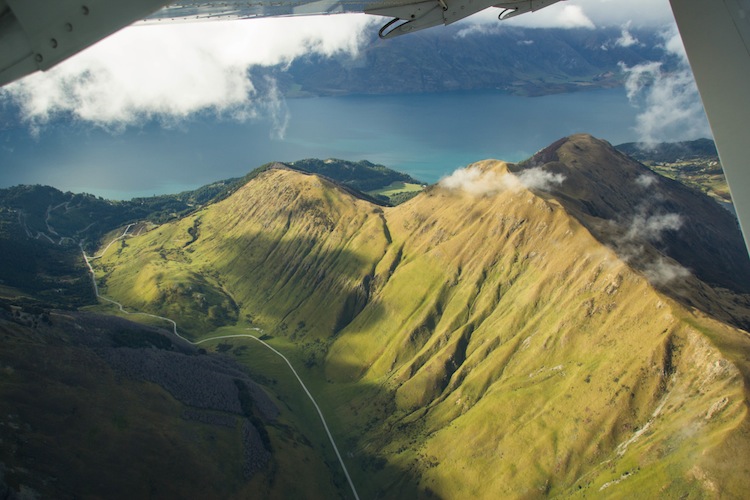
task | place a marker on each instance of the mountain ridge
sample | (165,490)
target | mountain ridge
(489,327)
(650,207)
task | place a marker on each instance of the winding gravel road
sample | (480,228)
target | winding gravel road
(125,234)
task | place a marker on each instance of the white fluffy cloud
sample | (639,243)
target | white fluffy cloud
(662,272)
(538,178)
(172,71)
(646,180)
(669,103)
(478,182)
(653,227)
(626,37)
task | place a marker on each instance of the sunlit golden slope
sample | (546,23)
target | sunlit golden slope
(530,360)
(277,252)
(476,342)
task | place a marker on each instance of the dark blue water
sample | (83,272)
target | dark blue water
(427,136)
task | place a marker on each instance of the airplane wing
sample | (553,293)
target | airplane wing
(407,15)
(716,35)
(38,34)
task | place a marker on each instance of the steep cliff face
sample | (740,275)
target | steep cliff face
(489,336)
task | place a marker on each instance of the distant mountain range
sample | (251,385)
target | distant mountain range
(566,326)
(516,60)
(670,152)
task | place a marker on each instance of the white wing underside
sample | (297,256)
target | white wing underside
(196,10)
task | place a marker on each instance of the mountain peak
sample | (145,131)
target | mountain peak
(433,327)
(628,207)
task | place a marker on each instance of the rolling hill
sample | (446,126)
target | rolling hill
(566,326)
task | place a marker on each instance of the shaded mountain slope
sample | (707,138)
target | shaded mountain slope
(472,340)
(626,206)
(95,406)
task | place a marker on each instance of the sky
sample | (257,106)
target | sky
(171,76)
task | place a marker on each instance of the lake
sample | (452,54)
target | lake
(427,136)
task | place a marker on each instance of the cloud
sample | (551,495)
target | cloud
(277,109)
(646,180)
(662,272)
(560,15)
(649,225)
(626,38)
(652,227)
(671,109)
(172,71)
(641,13)
(478,182)
(538,178)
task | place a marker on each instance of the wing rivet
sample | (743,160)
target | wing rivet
(68,27)
(85,10)
(38,58)
(53,43)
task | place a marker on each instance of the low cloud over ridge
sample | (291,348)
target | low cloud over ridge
(479,182)
(650,225)
(670,107)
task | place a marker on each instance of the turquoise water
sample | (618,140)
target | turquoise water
(427,136)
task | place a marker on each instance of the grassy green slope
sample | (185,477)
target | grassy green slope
(518,369)
(275,254)
(471,345)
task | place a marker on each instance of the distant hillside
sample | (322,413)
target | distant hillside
(694,163)
(363,175)
(670,152)
(383,183)
(515,331)
(517,60)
